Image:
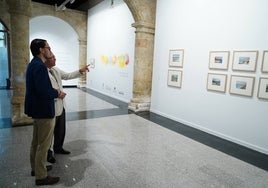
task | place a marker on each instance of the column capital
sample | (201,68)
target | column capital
(82,42)
(22,7)
(144,27)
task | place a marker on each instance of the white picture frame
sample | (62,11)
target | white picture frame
(263,88)
(216,82)
(219,60)
(174,78)
(92,63)
(245,60)
(264,67)
(242,85)
(176,58)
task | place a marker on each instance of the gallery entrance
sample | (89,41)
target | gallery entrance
(4,58)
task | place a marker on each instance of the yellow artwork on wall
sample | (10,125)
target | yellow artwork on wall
(121,60)
(104,59)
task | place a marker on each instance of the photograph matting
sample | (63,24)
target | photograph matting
(219,59)
(174,78)
(216,82)
(176,58)
(263,88)
(245,60)
(242,85)
(264,67)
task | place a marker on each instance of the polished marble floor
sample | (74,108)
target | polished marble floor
(114,148)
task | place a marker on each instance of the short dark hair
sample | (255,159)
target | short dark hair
(36,44)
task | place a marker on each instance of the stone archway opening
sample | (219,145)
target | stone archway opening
(63,40)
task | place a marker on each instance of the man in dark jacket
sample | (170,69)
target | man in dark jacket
(39,104)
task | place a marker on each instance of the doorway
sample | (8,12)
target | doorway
(4,57)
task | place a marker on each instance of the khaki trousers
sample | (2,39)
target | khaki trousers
(42,136)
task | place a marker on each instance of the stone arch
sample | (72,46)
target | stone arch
(19,15)
(3,23)
(62,39)
(144,15)
(142,11)
(76,19)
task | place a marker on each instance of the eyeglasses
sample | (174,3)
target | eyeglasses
(52,57)
(48,48)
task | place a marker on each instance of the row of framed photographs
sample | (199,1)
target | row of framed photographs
(239,85)
(242,60)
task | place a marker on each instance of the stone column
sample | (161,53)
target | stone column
(142,83)
(82,62)
(4,14)
(20,11)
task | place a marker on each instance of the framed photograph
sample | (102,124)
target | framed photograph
(245,60)
(219,59)
(92,63)
(174,78)
(176,58)
(216,82)
(242,85)
(264,67)
(263,88)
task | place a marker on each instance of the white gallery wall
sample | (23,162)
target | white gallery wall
(110,49)
(199,27)
(62,39)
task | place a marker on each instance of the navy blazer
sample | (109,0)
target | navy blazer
(39,96)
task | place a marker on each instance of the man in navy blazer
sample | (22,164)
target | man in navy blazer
(39,104)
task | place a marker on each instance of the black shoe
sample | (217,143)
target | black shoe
(62,151)
(47,181)
(49,167)
(51,159)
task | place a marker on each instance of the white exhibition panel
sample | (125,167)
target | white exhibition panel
(110,47)
(199,27)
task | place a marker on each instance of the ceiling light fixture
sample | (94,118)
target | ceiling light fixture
(62,6)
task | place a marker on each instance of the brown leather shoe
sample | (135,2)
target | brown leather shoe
(47,181)
(49,167)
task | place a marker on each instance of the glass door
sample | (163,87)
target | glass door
(4,60)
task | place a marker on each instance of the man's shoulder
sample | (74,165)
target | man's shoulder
(36,61)
(56,69)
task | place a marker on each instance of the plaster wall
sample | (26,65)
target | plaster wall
(111,42)
(199,27)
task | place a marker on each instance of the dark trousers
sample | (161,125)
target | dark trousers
(59,131)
